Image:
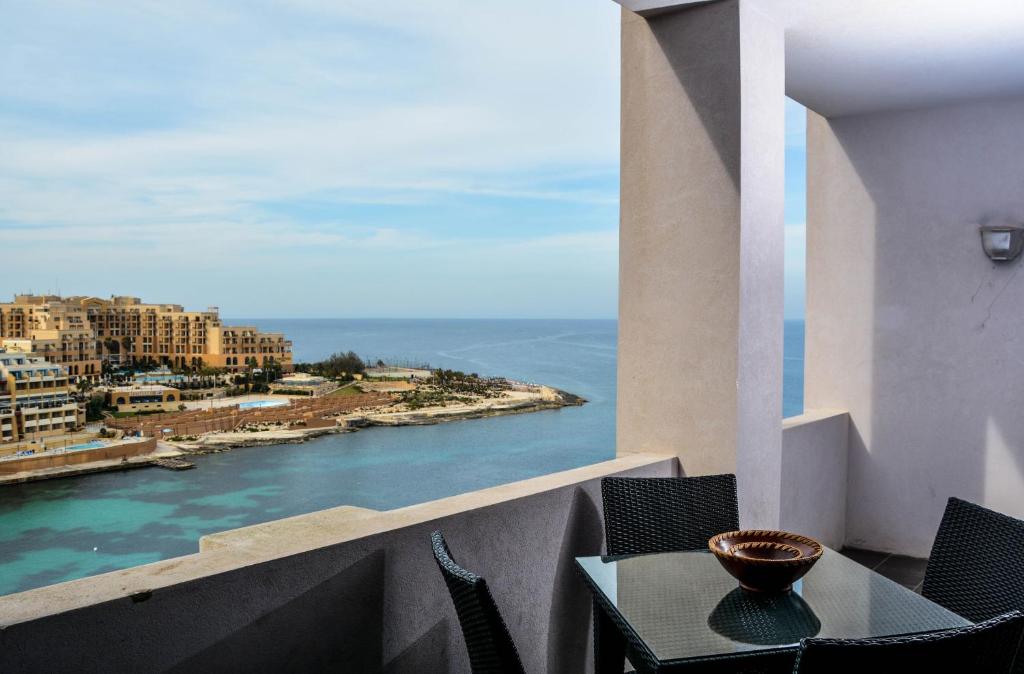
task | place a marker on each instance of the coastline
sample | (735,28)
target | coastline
(380,468)
(545,398)
(306,422)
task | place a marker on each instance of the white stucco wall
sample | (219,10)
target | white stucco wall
(909,326)
(814,453)
(701,245)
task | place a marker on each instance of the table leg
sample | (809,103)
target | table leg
(609,644)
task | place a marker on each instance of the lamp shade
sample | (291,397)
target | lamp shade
(1002,244)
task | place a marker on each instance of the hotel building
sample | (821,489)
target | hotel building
(58,331)
(79,332)
(35,398)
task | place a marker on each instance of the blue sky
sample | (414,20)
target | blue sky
(796,208)
(318,158)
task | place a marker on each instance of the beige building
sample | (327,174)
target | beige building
(232,347)
(57,330)
(79,332)
(35,398)
(148,398)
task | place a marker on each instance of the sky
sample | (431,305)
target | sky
(321,158)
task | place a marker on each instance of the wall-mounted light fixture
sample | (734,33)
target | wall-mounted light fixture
(1002,243)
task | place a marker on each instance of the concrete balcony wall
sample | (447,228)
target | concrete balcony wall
(814,454)
(346,590)
(910,326)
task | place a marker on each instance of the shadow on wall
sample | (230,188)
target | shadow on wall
(315,631)
(431,647)
(570,618)
(691,40)
(946,332)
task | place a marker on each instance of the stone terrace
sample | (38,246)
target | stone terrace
(196,422)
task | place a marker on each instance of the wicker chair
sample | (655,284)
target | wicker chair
(989,647)
(667,514)
(491,650)
(976,567)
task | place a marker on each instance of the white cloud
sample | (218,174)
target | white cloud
(182,138)
(333,271)
(226,106)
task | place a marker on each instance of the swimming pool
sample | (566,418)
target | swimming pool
(92,444)
(261,403)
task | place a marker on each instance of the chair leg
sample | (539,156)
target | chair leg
(609,644)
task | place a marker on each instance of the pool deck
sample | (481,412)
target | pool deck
(212,403)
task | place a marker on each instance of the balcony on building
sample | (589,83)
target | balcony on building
(915,135)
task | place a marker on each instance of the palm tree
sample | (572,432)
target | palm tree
(128,349)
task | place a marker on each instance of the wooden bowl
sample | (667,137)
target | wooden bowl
(765,561)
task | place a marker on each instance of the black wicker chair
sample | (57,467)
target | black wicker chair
(976,568)
(989,647)
(667,514)
(662,514)
(491,650)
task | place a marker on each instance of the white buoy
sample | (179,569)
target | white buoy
(95,549)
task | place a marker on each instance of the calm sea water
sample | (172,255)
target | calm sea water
(64,529)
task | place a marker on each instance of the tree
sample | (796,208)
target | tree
(271,370)
(112,346)
(337,366)
(205,371)
(94,407)
(127,342)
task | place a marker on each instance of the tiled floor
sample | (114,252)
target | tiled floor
(907,571)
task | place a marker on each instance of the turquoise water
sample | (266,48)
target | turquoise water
(63,529)
(261,403)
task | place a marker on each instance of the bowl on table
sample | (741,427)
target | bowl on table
(765,561)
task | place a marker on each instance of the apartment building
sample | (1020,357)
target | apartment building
(35,398)
(58,331)
(124,330)
(231,347)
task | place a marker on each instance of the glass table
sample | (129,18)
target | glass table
(681,611)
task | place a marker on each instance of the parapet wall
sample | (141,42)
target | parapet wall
(123,450)
(344,590)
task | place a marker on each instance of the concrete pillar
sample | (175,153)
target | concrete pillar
(701,244)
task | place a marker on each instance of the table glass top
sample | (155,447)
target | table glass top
(685,605)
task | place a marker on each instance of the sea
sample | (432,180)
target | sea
(59,530)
